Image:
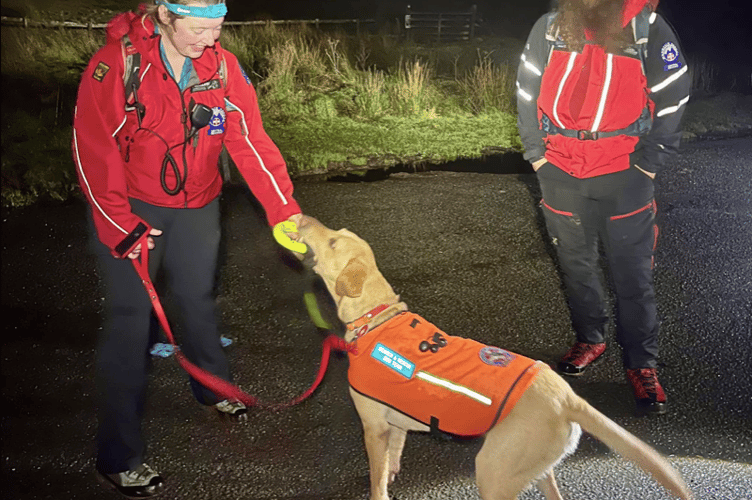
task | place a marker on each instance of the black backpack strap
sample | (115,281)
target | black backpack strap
(641,30)
(131,78)
(552,35)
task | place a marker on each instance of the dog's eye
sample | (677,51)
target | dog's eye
(332,242)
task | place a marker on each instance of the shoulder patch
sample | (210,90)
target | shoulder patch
(242,72)
(100,71)
(670,56)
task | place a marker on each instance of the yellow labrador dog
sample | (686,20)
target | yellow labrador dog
(520,449)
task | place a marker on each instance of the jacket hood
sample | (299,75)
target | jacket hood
(125,22)
(634,7)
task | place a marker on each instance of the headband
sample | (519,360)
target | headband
(210,11)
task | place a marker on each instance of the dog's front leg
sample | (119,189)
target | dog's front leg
(376,436)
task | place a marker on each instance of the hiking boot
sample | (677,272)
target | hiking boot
(232,408)
(141,482)
(579,357)
(649,395)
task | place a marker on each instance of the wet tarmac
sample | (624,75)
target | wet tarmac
(467,250)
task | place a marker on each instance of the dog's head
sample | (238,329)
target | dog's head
(347,265)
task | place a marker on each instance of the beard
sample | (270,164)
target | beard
(603,22)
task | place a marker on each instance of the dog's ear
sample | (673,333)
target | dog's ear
(350,280)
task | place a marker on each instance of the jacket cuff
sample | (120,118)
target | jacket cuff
(535,154)
(128,243)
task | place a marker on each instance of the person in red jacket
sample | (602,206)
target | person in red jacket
(155,107)
(601,88)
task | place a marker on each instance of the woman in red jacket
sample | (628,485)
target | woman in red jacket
(601,89)
(155,107)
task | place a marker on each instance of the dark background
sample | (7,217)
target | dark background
(711,32)
(721,29)
(717,30)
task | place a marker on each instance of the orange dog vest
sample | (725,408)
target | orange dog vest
(456,385)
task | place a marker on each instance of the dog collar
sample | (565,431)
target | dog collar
(363,320)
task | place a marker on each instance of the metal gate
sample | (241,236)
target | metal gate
(441,26)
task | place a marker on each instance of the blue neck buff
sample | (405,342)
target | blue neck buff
(210,11)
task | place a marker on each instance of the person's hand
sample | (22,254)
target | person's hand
(538,164)
(286,233)
(149,243)
(649,174)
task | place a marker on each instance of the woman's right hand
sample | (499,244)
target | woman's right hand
(538,164)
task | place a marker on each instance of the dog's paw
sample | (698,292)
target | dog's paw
(392,476)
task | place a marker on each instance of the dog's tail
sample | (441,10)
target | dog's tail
(628,446)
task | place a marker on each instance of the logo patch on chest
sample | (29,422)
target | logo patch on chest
(393,360)
(217,122)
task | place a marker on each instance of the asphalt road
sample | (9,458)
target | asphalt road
(467,251)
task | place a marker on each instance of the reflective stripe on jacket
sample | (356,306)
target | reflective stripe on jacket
(456,385)
(116,159)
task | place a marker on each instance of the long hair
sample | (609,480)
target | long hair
(602,22)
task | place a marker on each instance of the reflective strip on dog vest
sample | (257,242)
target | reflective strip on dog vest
(461,386)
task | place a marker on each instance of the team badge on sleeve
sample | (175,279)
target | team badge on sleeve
(670,56)
(217,122)
(100,71)
(242,72)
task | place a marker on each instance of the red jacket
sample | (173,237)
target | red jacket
(117,160)
(452,384)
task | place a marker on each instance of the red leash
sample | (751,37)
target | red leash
(220,387)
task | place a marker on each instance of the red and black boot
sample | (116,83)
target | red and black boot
(579,357)
(649,395)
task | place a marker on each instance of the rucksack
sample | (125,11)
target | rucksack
(640,29)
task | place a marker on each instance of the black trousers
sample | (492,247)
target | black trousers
(187,252)
(618,211)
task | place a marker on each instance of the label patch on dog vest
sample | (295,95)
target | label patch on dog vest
(391,359)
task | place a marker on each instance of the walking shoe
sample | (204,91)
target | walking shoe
(232,408)
(141,482)
(579,357)
(649,395)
